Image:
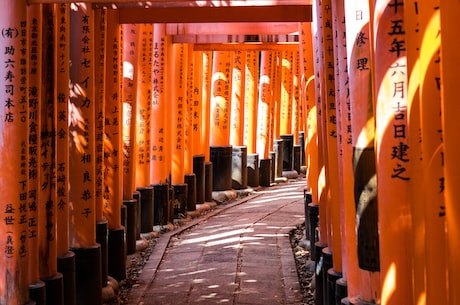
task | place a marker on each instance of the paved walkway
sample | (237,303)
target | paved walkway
(239,253)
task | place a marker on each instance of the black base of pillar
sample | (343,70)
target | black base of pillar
(313,212)
(66,266)
(37,293)
(199,171)
(332,278)
(117,254)
(239,167)
(54,289)
(272,166)
(146,208)
(190,180)
(319,291)
(102,239)
(278,147)
(160,204)
(180,199)
(130,225)
(296,158)
(221,158)
(327,264)
(253,170)
(88,275)
(341,290)
(137,197)
(264,172)
(208,169)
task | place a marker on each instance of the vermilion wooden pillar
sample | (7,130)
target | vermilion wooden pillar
(345,151)
(286,92)
(251,81)
(363,282)
(66,258)
(179,111)
(129,100)
(329,99)
(220,98)
(158,136)
(189,100)
(237,98)
(309,105)
(144,97)
(450,109)
(265,100)
(393,152)
(277,62)
(82,157)
(206,101)
(296,116)
(417,198)
(35,14)
(437,290)
(47,228)
(197,102)
(13,186)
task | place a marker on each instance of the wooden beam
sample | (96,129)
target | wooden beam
(234,28)
(280,13)
(291,46)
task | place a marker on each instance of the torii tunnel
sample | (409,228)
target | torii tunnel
(112,109)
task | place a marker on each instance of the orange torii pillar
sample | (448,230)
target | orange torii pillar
(37,288)
(265,99)
(296,116)
(178,98)
(82,239)
(345,168)
(220,150)
(158,132)
(66,258)
(144,96)
(113,140)
(251,81)
(114,260)
(311,133)
(99,100)
(319,79)
(129,102)
(237,121)
(332,254)
(433,155)
(179,111)
(47,195)
(195,116)
(362,265)
(206,84)
(392,152)
(450,40)
(237,99)
(14,148)
(416,198)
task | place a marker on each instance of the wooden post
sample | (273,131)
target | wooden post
(189,141)
(286,92)
(237,99)
(206,102)
(251,80)
(178,97)
(82,157)
(144,96)
(129,100)
(393,152)
(197,116)
(13,123)
(158,168)
(35,14)
(450,110)
(296,115)
(66,259)
(265,100)
(345,149)
(220,94)
(363,282)
(309,104)
(417,198)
